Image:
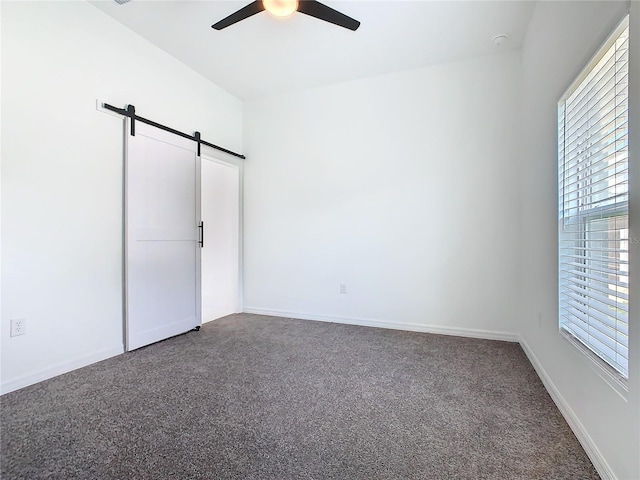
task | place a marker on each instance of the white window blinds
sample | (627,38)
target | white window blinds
(593,205)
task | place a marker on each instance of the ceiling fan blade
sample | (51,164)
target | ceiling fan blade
(244,12)
(328,14)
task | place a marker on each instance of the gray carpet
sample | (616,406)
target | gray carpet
(252,397)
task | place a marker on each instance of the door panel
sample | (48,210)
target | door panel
(162,250)
(220,255)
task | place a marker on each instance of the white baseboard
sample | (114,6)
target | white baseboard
(411,327)
(59,369)
(594,454)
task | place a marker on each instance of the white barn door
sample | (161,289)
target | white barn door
(162,250)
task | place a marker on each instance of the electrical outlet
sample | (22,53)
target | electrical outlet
(343,288)
(18,326)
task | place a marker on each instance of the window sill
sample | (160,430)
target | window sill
(618,383)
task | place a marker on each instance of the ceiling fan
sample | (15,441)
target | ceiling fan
(284,8)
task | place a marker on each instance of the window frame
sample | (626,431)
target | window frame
(603,367)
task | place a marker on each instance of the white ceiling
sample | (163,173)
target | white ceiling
(265,55)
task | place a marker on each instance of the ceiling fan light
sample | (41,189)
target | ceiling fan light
(280,8)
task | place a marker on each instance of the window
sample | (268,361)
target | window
(594,207)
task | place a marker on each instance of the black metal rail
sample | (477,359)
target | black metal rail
(130,112)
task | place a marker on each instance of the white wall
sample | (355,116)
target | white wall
(62,174)
(404,187)
(561,39)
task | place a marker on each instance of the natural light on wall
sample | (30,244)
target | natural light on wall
(594,205)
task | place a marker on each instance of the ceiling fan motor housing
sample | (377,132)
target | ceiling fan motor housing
(283,8)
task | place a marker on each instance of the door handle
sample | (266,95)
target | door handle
(201,241)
